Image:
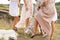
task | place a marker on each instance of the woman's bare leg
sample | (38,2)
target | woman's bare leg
(53,25)
(35,26)
(51,34)
(27,22)
(15,22)
(26,30)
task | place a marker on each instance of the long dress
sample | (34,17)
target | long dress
(25,14)
(13,8)
(46,15)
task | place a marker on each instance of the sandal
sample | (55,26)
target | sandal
(37,34)
(44,35)
(14,28)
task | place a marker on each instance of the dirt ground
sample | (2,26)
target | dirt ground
(22,36)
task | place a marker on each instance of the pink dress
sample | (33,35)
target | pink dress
(46,15)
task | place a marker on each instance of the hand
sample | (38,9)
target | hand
(43,4)
(38,8)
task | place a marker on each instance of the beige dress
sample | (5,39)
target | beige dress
(45,15)
(25,14)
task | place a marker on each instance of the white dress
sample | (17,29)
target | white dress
(13,8)
(25,14)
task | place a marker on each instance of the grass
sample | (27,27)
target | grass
(22,36)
